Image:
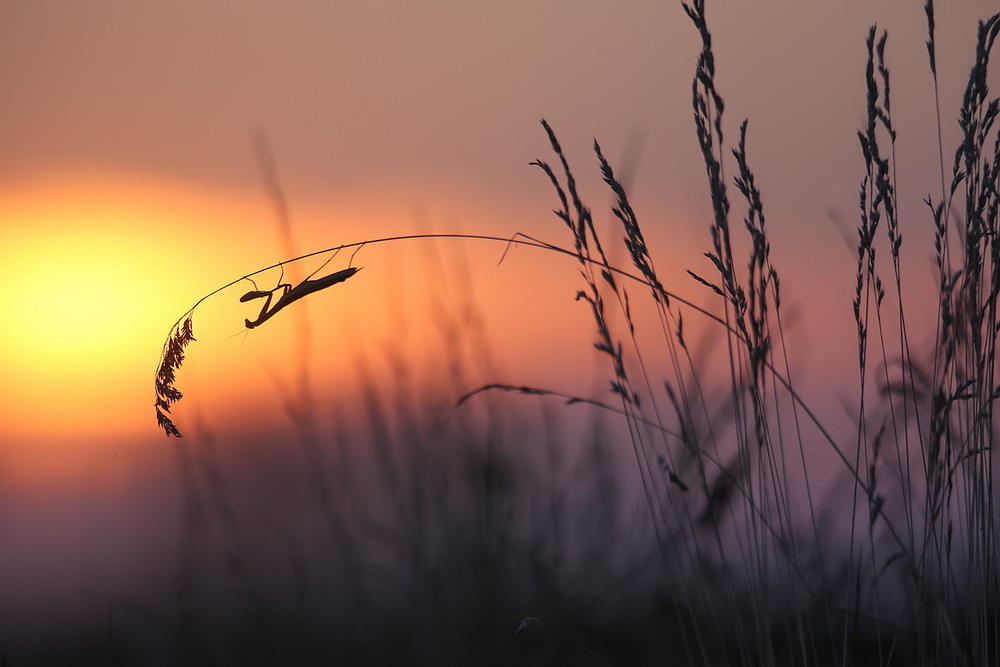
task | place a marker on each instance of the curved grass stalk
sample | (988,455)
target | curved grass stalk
(180,333)
(183,323)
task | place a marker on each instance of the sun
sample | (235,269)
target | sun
(76,311)
(91,281)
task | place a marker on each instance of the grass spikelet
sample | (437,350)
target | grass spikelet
(634,240)
(167,392)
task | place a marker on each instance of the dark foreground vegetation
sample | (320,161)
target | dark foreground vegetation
(688,527)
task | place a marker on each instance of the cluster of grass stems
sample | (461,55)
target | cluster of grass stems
(751,567)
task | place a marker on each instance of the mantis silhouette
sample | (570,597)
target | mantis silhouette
(292,294)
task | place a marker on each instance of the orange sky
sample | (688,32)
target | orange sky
(129,188)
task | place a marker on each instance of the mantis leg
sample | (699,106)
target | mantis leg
(265,313)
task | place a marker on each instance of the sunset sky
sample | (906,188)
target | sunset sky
(129,186)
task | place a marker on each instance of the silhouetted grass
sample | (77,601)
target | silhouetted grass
(744,561)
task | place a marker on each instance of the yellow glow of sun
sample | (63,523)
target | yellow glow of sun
(90,284)
(74,300)
(78,308)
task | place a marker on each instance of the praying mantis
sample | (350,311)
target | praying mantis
(291,294)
